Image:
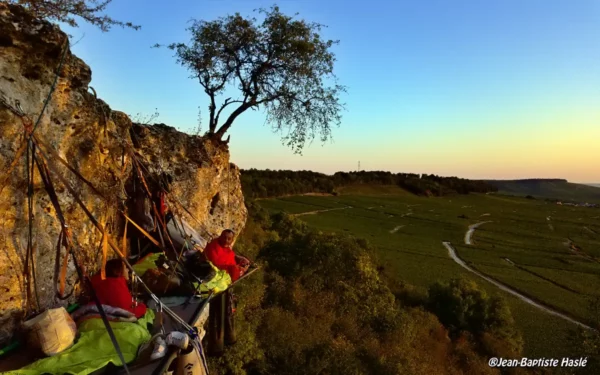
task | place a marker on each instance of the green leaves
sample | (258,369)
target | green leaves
(462,306)
(281,65)
(64,10)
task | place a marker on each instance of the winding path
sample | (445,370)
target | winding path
(396,229)
(472,228)
(508,289)
(548,218)
(319,211)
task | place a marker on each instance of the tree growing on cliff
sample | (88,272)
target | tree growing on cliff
(281,65)
(65,11)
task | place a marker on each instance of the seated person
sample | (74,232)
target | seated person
(219,253)
(113,290)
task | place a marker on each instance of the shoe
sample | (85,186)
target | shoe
(160,349)
(178,339)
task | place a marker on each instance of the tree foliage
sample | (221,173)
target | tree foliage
(322,307)
(587,342)
(462,306)
(65,11)
(281,65)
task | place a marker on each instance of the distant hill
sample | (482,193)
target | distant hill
(549,188)
(594,185)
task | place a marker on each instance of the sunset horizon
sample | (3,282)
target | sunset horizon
(495,91)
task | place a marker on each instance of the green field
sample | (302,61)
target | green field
(533,235)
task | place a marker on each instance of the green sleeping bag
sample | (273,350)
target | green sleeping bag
(93,349)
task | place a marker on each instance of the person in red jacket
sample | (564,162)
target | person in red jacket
(220,254)
(113,290)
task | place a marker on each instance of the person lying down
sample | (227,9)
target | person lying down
(113,292)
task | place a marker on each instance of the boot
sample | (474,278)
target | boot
(160,349)
(178,339)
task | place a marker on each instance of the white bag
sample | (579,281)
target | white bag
(53,331)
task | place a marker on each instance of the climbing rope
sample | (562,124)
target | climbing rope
(30,156)
(115,248)
(100,228)
(64,238)
(228,194)
(104,116)
(192,331)
(29,256)
(50,189)
(52,88)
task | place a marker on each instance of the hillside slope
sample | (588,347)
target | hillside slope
(545,188)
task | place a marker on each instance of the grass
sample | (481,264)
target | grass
(531,233)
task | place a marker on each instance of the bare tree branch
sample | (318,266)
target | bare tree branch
(228,101)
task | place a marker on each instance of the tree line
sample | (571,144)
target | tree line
(271,183)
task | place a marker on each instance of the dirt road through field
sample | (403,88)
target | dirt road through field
(472,228)
(548,218)
(508,289)
(320,211)
(396,229)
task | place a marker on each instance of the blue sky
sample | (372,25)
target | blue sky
(478,89)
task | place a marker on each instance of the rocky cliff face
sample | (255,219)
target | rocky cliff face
(92,138)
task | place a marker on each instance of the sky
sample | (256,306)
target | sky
(477,89)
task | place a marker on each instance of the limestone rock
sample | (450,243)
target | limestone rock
(91,137)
